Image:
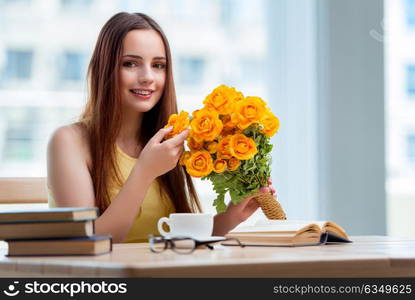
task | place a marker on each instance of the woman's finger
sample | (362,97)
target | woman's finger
(179,139)
(264,190)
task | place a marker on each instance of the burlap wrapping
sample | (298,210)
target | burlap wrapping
(271,207)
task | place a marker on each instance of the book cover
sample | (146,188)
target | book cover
(58,214)
(25,230)
(92,245)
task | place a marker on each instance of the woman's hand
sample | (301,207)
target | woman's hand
(238,213)
(244,209)
(158,156)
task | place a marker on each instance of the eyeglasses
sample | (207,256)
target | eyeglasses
(182,245)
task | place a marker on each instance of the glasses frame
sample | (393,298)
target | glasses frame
(169,243)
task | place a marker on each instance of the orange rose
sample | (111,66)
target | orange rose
(247,111)
(233,164)
(271,124)
(223,149)
(228,126)
(242,147)
(219,166)
(222,99)
(206,125)
(179,122)
(199,164)
(193,144)
(184,157)
(212,147)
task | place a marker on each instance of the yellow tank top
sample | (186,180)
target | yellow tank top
(156,203)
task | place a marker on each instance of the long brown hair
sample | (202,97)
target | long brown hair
(102,113)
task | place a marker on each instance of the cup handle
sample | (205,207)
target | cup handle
(160,225)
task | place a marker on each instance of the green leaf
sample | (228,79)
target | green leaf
(219,203)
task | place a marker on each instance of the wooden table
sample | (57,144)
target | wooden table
(367,256)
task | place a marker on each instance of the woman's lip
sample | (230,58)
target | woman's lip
(144,97)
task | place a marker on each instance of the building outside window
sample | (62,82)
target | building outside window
(191,70)
(73,66)
(18,65)
(75,4)
(252,71)
(410,13)
(411,148)
(19,135)
(410,79)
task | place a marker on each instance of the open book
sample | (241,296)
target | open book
(289,233)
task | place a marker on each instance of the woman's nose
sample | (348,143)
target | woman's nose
(146,76)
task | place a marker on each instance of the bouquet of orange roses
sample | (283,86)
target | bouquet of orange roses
(229,144)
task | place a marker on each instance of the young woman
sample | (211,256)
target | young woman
(115,157)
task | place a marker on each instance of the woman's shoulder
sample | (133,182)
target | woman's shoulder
(70,139)
(73,134)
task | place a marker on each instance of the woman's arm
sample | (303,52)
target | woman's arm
(71,182)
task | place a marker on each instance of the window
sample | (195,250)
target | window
(73,66)
(411,147)
(191,70)
(410,79)
(410,12)
(238,12)
(190,10)
(19,134)
(76,4)
(252,71)
(227,13)
(24,132)
(18,65)
(15,2)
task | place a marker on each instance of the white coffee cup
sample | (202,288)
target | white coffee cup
(195,225)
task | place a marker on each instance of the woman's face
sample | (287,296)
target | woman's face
(143,69)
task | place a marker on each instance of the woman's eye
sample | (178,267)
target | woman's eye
(159,65)
(129,64)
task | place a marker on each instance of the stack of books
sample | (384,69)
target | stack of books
(54,231)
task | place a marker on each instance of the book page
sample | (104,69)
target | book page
(288,226)
(293,223)
(336,229)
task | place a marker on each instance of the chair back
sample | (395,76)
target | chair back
(23,190)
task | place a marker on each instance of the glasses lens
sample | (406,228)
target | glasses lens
(186,245)
(157,244)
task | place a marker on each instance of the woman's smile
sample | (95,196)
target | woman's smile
(144,94)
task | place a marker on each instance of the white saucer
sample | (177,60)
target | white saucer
(210,239)
(202,238)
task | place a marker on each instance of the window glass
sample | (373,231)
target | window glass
(73,66)
(410,12)
(18,64)
(410,77)
(411,148)
(191,70)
